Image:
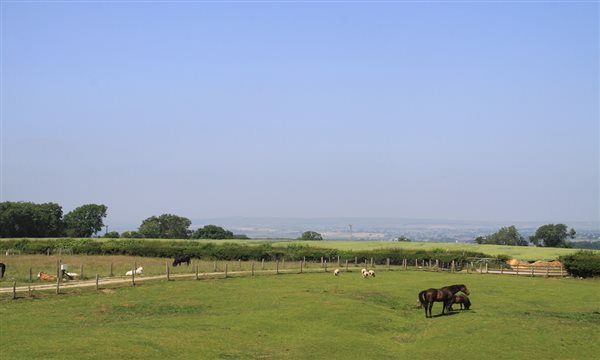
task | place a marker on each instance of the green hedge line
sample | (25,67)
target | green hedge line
(227,250)
(584,263)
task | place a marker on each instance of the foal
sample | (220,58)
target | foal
(461,299)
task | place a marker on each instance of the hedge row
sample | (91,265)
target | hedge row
(227,250)
(584,263)
(581,264)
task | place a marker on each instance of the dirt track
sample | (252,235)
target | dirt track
(140,278)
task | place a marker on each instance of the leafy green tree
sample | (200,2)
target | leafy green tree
(26,219)
(131,235)
(165,226)
(85,220)
(212,232)
(553,235)
(112,235)
(310,235)
(505,236)
(403,239)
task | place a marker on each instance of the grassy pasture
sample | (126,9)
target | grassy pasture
(518,252)
(18,266)
(307,316)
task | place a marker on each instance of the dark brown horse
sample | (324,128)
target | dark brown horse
(445,295)
(461,299)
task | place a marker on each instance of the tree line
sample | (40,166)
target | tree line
(549,235)
(27,219)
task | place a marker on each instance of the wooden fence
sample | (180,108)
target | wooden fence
(225,269)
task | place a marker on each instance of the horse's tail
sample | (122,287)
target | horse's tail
(422,299)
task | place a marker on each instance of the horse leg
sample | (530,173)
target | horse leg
(429,306)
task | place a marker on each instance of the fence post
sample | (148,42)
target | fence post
(486,268)
(346,265)
(277,266)
(338,261)
(501,268)
(168,272)
(14,289)
(356,261)
(388,264)
(321,261)
(253,268)
(263,264)
(196,271)
(325,265)
(97,278)
(283,263)
(301,269)
(239,264)
(452,268)
(30,275)
(225,270)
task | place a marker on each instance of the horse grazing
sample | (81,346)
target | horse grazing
(2,270)
(461,299)
(445,295)
(180,259)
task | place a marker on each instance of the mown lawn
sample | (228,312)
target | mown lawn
(307,316)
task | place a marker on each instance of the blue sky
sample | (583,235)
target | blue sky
(457,110)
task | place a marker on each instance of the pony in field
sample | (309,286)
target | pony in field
(461,299)
(180,259)
(2,270)
(445,295)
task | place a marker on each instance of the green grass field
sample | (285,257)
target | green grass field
(307,316)
(517,252)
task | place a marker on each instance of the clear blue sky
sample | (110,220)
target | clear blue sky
(458,110)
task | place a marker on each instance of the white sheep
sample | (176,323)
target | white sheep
(364,273)
(336,272)
(138,271)
(371,273)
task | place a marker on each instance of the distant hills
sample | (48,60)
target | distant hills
(381,228)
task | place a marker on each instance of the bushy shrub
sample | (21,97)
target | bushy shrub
(584,263)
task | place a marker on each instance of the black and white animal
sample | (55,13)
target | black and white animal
(180,259)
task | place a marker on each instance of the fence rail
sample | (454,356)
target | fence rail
(224,269)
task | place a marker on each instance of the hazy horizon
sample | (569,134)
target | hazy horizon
(470,111)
